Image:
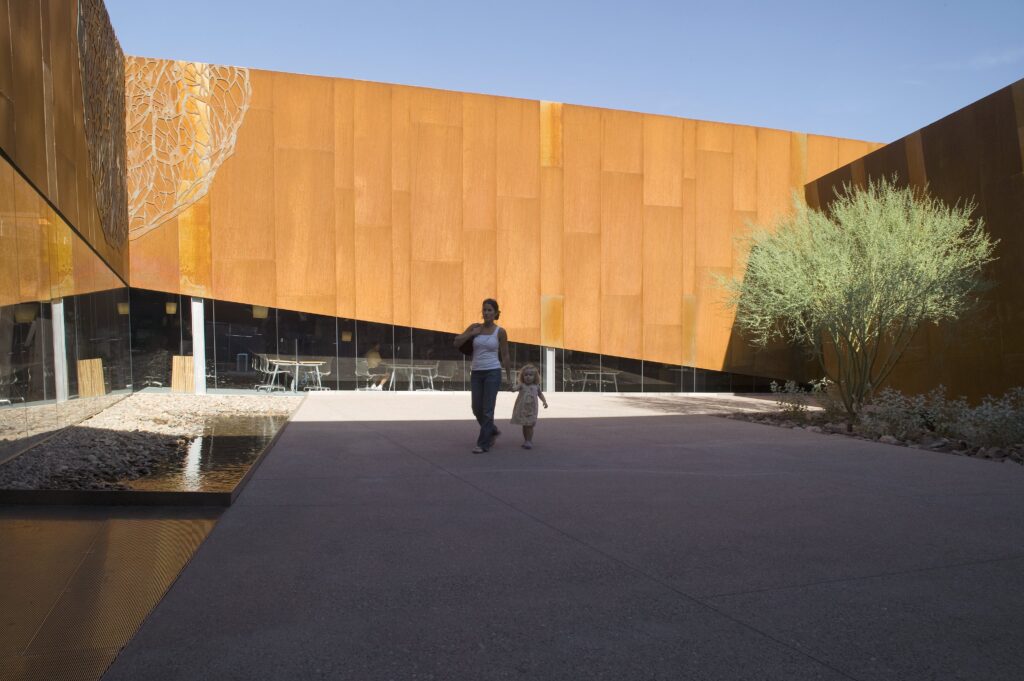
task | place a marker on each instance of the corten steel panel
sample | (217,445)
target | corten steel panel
(714,247)
(242,213)
(303,113)
(9,288)
(917,174)
(438,292)
(479,163)
(518,267)
(622,230)
(662,264)
(62,257)
(714,137)
(345,247)
(401,139)
(33,255)
(581,164)
(63,62)
(195,249)
(663,161)
(689,236)
(305,230)
(479,270)
(401,257)
(439,107)
(773,192)
(713,320)
(689,149)
(551,221)
(551,134)
(551,321)
(744,169)
(344,98)
(155,263)
(29,115)
(622,141)
(582,276)
(7,140)
(822,155)
(436,195)
(622,325)
(797,160)
(372,172)
(518,147)
(971,154)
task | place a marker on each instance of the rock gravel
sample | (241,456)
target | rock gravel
(129,439)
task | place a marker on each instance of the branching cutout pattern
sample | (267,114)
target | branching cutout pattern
(102,67)
(183,120)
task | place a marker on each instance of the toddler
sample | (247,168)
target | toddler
(524,413)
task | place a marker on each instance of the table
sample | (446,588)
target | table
(293,367)
(425,370)
(598,375)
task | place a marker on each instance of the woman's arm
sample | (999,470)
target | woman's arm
(506,363)
(471,330)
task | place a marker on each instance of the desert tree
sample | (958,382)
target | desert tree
(854,283)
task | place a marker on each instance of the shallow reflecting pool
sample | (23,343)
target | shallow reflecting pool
(216,460)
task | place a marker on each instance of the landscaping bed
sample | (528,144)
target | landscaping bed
(141,435)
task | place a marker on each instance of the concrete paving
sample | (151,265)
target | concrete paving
(643,538)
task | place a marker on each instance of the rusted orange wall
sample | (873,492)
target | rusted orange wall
(597,230)
(42,127)
(974,154)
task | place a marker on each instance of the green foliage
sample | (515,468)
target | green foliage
(793,400)
(995,422)
(852,286)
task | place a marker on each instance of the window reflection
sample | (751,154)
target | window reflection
(243,337)
(438,364)
(161,327)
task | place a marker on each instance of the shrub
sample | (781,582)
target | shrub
(995,422)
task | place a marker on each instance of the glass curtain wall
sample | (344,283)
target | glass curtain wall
(161,327)
(253,347)
(56,296)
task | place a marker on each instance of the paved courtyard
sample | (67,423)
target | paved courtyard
(642,538)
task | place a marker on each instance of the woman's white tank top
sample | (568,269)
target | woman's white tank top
(485,351)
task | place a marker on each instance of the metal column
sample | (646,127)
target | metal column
(198,346)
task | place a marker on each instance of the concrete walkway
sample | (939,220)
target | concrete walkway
(641,539)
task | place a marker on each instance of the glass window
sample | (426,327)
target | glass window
(579,371)
(662,378)
(308,349)
(244,338)
(620,374)
(708,381)
(161,327)
(437,362)
(375,356)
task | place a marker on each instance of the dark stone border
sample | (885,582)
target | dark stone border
(72,497)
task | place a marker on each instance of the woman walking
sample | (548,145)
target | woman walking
(490,358)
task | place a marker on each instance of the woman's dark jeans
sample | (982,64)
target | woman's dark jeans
(485,386)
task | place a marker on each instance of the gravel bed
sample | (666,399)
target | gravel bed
(128,440)
(816,422)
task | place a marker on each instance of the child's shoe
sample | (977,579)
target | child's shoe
(527,445)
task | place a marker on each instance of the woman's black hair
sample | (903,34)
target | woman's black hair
(493,303)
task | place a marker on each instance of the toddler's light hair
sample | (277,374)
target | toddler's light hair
(522,371)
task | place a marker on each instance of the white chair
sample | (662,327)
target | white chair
(270,372)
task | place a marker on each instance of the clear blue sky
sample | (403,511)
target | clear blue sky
(867,70)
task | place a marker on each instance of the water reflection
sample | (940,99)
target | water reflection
(217,460)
